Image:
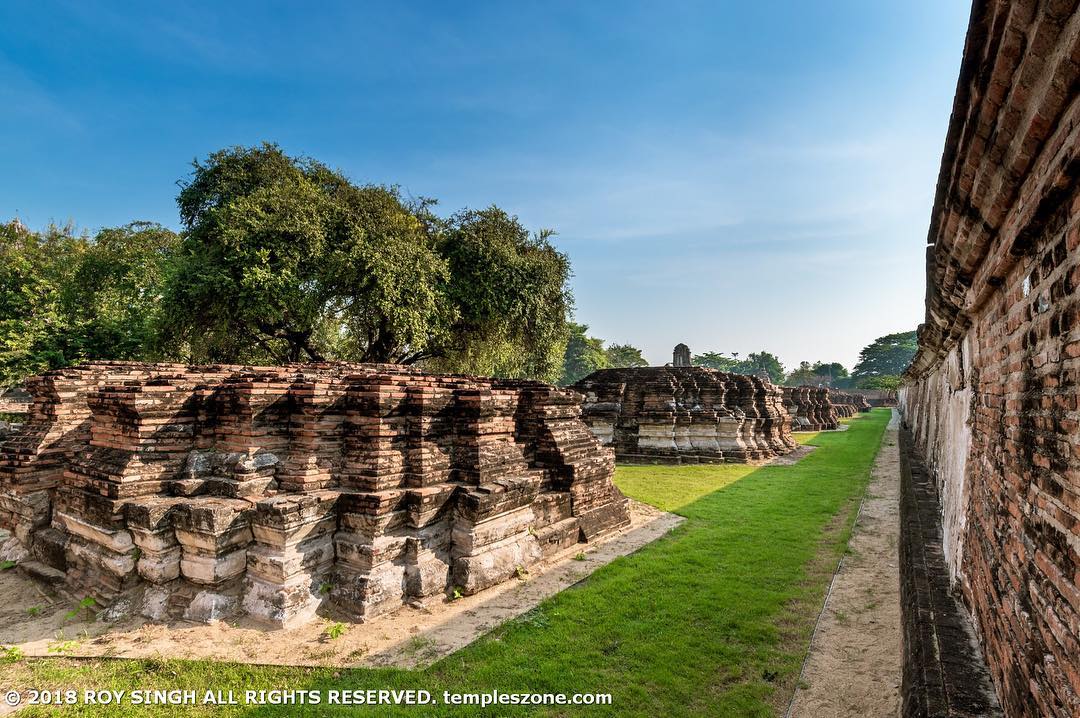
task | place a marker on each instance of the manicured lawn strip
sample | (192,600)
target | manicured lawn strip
(709,620)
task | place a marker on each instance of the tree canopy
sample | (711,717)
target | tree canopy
(284,259)
(67,297)
(585,354)
(885,358)
(624,355)
(755,363)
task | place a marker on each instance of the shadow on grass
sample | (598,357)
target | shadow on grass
(713,619)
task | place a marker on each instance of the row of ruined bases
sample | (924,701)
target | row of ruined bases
(201,492)
(693,414)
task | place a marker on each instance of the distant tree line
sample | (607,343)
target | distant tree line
(282,259)
(880,363)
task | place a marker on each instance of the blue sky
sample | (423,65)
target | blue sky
(734,175)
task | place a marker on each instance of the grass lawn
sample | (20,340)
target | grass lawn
(712,620)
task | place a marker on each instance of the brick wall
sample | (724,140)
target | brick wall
(991,397)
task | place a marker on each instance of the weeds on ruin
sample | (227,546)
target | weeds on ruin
(62,647)
(335,630)
(13,654)
(7,565)
(86,604)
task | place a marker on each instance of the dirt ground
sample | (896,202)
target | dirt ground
(42,625)
(853,668)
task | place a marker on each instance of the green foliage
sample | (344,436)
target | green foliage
(33,611)
(887,382)
(802,376)
(6,565)
(715,360)
(458,593)
(335,631)
(61,647)
(66,298)
(886,356)
(34,269)
(86,605)
(12,654)
(755,363)
(510,297)
(831,370)
(583,355)
(624,355)
(763,362)
(284,259)
(829,373)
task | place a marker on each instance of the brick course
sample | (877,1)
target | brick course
(992,394)
(206,491)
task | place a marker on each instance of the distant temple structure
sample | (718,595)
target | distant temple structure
(681,355)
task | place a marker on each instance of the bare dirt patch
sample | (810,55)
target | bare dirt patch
(42,625)
(793,457)
(853,668)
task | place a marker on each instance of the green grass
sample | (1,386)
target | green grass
(711,620)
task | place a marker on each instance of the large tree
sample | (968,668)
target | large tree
(34,269)
(624,355)
(715,360)
(284,259)
(804,375)
(508,289)
(583,356)
(885,357)
(114,297)
(763,362)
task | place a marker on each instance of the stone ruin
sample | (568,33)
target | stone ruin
(810,408)
(204,491)
(681,356)
(14,405)
(847,405)
(685,414)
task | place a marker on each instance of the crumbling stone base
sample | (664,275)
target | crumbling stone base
(209,491)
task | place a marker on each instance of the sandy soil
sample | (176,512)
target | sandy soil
(853,668)
(408,637)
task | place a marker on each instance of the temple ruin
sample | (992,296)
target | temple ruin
(990,401)
(685,414)
(210,490)
(810,408)
(847,405)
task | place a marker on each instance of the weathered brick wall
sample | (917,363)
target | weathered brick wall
(690,414)
(992,394)
(203,491)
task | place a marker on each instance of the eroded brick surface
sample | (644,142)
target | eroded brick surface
(212,490)
(686,414)
(991,396)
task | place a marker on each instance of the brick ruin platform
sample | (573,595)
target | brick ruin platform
(847,405)
(685,414)
(200,492)
(810,408)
